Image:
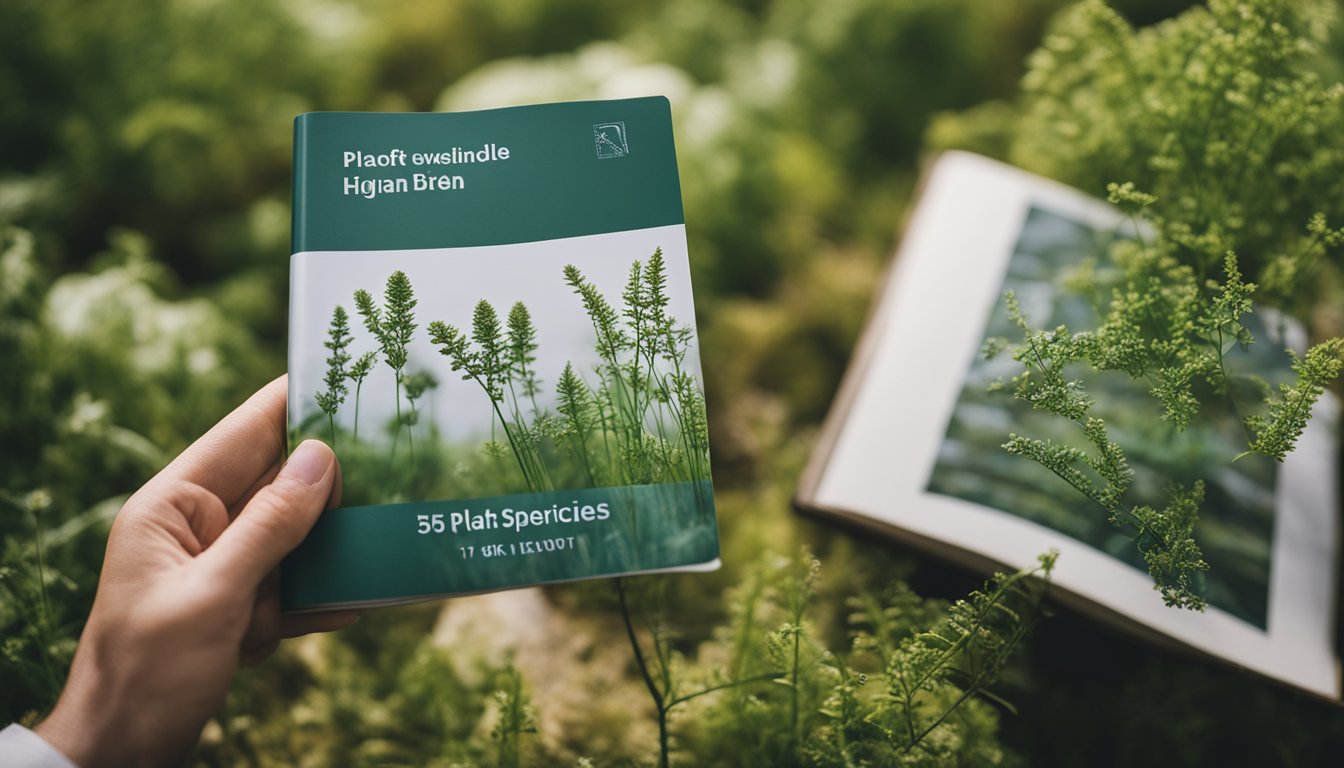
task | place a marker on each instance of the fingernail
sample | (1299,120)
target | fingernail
(308,463)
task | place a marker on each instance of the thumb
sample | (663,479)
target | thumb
(277,517)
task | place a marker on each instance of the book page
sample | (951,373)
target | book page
(920,448)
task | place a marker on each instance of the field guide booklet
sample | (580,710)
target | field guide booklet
(491,322)
(912,446)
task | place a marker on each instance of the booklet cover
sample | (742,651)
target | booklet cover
(912,447)
(491,323)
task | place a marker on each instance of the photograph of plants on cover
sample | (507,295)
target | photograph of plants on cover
(531,368)
(1236,522)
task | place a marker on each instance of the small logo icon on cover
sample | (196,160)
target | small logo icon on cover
(610,140)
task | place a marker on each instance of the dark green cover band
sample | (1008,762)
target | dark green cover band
(376,554)
(564,176)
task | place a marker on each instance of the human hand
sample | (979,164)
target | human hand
(189,589)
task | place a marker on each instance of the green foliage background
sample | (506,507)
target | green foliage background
(144,197)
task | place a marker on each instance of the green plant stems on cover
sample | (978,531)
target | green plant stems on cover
(522,343)
(416,385)
(634,390)
(576,404)
(358,372)
(643,423)
(393,325)
(493,363)
(338,339)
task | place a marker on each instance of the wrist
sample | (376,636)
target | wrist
(73,735)
(91,724)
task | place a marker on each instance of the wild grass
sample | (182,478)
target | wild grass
(516,718)
(357,373)
(497,360)
(643,419)
(633,413)
(338,339)
(910,690)
(31,651)
(393,326)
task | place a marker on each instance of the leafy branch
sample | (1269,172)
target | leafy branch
(1165,538)
(1235,145)
(967,650)
(1277,434)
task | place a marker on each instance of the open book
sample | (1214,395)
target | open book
(912,446)
(491,323)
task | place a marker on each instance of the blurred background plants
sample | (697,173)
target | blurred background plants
(144,198)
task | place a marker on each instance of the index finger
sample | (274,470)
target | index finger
(229,459)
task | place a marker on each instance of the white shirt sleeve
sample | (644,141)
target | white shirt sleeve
(21,748)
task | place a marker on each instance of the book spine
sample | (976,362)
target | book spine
(299,214)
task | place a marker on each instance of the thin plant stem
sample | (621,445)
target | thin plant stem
(46,603)
(396,433)
(410,428)
(795,728)
(761,678)
(654,693)
(358,385)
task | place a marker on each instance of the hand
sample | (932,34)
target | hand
(189,589)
